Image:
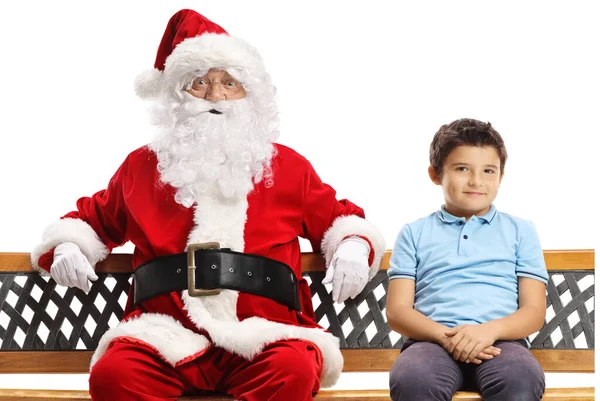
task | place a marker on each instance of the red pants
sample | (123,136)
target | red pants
(285,371)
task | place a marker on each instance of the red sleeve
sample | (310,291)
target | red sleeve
(326,221)
(321,208)
(105,210)
(97,225)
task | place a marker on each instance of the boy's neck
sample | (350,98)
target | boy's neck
(465,213)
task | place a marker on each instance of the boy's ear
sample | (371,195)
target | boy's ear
(433,175)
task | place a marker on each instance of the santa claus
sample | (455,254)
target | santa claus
(214,208)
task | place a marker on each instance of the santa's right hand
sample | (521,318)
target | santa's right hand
(71,268)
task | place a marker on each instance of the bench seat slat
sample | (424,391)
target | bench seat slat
(355,360)
(573,259)
(552,394)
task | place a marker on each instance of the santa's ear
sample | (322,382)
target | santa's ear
(435,178)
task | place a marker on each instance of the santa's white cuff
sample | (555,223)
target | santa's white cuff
(70,230)
(345,226)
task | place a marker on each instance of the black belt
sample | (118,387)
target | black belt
(213,269)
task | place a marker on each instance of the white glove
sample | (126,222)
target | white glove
(71,268)
(349,269)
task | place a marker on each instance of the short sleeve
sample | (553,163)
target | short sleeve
(530,256)
(403,262)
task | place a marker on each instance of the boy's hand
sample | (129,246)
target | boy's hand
(485,355)
(467,341)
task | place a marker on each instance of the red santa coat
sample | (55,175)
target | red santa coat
(138,207)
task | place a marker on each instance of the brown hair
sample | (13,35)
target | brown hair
(465,131)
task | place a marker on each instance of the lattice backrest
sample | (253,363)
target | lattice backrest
(361,323)
(36,314)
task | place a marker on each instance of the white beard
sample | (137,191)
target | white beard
(204,154)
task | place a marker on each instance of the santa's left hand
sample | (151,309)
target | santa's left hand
(349,269)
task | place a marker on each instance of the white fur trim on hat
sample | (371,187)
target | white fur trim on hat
(211,50)
(70,230)
(344,226)
(199,54)
(149,83)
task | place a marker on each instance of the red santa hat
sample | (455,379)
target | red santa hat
(191,44)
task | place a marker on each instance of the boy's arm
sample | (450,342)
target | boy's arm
(529,318)
(400,312)
(533,277)
(468,340)
(401,315)
(404,319)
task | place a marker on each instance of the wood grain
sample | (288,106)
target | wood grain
(568,259)
(355,360)
(551,394)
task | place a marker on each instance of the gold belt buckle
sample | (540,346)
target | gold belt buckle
(191,257)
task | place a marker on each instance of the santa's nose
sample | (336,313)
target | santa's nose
(215,93)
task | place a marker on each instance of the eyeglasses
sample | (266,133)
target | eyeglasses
(203,85)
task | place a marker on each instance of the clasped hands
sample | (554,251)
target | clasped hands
(470,343)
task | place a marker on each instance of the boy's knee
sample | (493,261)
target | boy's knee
(416,382)
(410,389)
(518,381)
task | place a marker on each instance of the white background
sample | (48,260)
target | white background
(362,88)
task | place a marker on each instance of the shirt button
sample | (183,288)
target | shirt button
(460,223)
(465,236)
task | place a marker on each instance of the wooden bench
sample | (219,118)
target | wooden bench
(46,328)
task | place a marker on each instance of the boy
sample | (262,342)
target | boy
(467,283)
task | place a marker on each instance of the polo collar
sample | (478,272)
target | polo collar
(450,218)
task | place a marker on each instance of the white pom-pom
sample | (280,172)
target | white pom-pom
(149,83)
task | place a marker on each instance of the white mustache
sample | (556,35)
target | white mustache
(195,106)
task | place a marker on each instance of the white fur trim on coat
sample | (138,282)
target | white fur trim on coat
(172,341)
(221,220)
(70,230)
(249,337)
(224,221)
(344,226)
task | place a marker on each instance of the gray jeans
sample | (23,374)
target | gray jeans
(425,371)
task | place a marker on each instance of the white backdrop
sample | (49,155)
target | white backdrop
(362,88)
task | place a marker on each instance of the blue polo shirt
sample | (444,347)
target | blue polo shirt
(466,272)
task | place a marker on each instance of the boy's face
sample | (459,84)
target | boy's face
(470,179)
